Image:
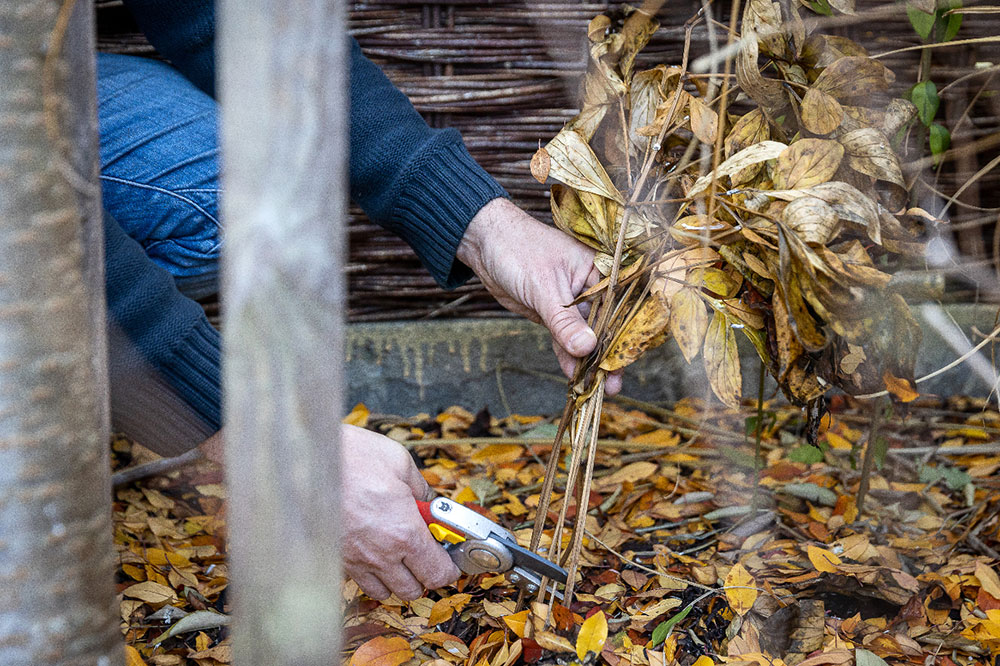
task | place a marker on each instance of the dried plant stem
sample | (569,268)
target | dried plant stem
(588,476)
(581,427)
(869,461)
(723,99)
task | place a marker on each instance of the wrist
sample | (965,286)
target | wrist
(482,226)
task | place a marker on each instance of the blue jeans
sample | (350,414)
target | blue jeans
(160,166)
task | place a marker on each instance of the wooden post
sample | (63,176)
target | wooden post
(56,557)
(284,118)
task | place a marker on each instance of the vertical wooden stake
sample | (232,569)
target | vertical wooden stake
(284,133)
(56,555)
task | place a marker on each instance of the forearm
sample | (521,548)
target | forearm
(419,182)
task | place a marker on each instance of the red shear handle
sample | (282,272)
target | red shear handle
(425,512)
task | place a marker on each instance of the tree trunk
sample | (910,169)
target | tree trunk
(56,556)
(284,110)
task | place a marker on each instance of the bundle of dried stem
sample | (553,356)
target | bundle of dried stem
(772,221)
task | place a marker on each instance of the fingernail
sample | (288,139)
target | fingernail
(582,343)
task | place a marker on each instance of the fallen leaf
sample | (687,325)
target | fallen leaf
(446,607)
(382,651)
(741,589)
(593,634)
(517,622)
(755,154)
(688,322)
(150,592)
(132,657)
(704,121)
(823,560)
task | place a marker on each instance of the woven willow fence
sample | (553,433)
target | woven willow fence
(505,73)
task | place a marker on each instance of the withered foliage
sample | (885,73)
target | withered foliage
(763,204)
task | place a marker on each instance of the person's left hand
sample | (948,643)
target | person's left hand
(536,271)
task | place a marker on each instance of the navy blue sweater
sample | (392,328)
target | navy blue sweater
(419,182)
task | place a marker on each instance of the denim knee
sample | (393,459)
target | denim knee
(160,166)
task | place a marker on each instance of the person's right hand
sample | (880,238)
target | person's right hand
(385,544)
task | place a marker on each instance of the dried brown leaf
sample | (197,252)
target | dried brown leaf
(722,361)
(768,93)
(688,321)
(821,112)
(813,219)
(850,203)
(704,121)
(853,76)
(647,329)
(807,162)
(541,163)
(755,154)
(575,164)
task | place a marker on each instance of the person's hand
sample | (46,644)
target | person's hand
(386,546)
(536,271)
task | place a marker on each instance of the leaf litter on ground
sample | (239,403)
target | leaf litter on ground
(693,551)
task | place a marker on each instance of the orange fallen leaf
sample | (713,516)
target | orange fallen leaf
(445,608)
(517,622)
(900,387)
(382,651)
(132,657)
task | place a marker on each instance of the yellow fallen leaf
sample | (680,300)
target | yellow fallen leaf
(158,557)
(741,589)
(498,453)
(823,560)
(703,660)
(465,496)
(132,657)
(150,592)
(358,416)
(382,651)
(636,471)
(838,442)
(658,437)
(445,608)
(988,580)
(517,622)
(593,634)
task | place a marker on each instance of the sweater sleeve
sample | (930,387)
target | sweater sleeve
(183,31)
(418,182)
(163,353)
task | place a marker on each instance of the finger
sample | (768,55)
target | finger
(372,586)
(401,582)
(418,485)
(567,362)
(433,572)
(613,384)
(569,329)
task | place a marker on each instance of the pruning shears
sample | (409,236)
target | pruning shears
(478,545)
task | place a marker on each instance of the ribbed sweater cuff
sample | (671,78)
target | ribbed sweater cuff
(194,372)
(438,204)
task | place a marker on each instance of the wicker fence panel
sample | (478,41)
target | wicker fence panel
(505,73)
